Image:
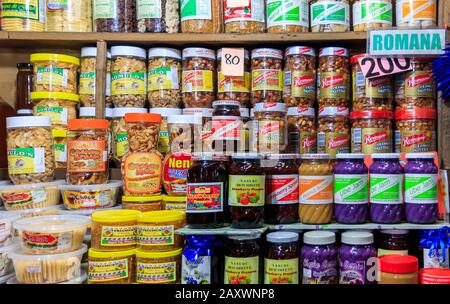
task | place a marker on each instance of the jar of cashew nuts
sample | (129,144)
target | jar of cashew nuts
(244,17)
(128,77)
(302,134)
(203,130)
(201,16)
(288,16)
(333,131)
(267,75)
(59,106)
(163,142)
(234,87)
(30,149)
(299,77)
(330,15)
(416,14)
(198,77)
(372,15)
(69,16)
(60,148)
(54,73)
(271,127)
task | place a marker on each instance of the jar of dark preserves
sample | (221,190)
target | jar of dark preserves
(281,188)
(393,242)
(226,126)
(246,191)
(281,258)
(242,260)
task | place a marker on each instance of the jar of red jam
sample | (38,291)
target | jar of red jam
(393,242)
(242,262)
(226,126)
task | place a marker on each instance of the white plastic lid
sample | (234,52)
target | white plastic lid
(267,52)
(315,156)
(92,52)
(19,255)
(386,155)
(333,51)
(109,113)
(350,156)
(199,52)
(244,237)
(246,155)
(25,112)
(245,112)
(301,111)
(419,156)
(205,112)
(164,52)
(36,186)
(88,212)
(333,111)
(28,121)
(120,112)
(164,112)
(112,184)
(246,54)
(87,112)
(269,107)
(183,119)
(51,223)
(319,237)
(282,237)
(395,231)
(300,50)
(357,238)
(128,51)
(233,103)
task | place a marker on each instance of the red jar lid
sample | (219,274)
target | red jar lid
(395,263)
(82,124)
(420,113)
(380,114)
(434,276)
(354,59)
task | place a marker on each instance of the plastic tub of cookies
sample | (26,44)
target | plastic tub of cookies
(79,280)
(6,265)
(52,210)
(6,230)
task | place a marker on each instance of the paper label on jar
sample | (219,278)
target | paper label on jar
(54,5)
(156,273)
(23,200)
(333,85)
(399,85)
(148,9)
(416,10)
(87,156)
(58,115)
(53,76)
(142,172)
(281,271)
(175,170)
(105,9)
(351,189)
(20,9)
(122,146)
(175,206)
(26,160)
(303,84)
(241,270)
(372,12)
(435,258)
(197,81)
(87,83)
(386,189)
(196,271)
(271,134)
(316,189)
(195,10)
(108,84)
(106,271)
(282,189)
(330,12)
(417,141)
(118,236)
(379,87)
(234,83)
(163,142)
(204,197)
(163,78)
(226,127)
(420,84)
(287,12)
(352,272)
(333,143)
(86,200)
(155,235)
(320,271)
(421,188)
(267,79)
(253,12)
(305,142)
(128,83)
(381,252)
(371,140)
(47,241)
(60,151)
(246,190)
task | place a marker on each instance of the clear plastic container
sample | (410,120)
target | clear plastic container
(143,131)
(6,265)
(90,196)
(416,14)
(333,131)
(69,16)
(372,15)
(291,16)
(6,229)
(201,16)
(330,15)
(60,148)
(415,130)
(271,127)
(163,143)
(29,18)
(60,107)
(181,132)
(248,18)
(79,280)
(302,130)
(142,203)
(114,16)
(203,131)
(52,210)
(160,16)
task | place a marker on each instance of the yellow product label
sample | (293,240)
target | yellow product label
(175,206)
(303,84)
(164,143)
(118,236)
(156,273)
(128,83)
(142,172)
(382,252)
(197,81)
(155,235)
(241,270)
(281,271)
(163,78)
(267,79)
(26,160)
(271,133)
(234,83)
(122,146)
(22,9)
(380,87)
(58,115)
(52,76)
(246,190)
(87,83)
(420,84)
(371,140)
(106,271)
(413,141)
(85,200)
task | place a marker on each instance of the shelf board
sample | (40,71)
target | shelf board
(368,226)
(220,231)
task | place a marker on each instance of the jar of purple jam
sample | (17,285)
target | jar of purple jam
(421,188)
(351,194)
(386,189)
(319,258)
(357,256)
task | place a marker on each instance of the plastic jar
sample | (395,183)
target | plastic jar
(281,188)
(299,89)
(416,130)
(6,266)
(181,132)
(393,242)
(202,127)
(386,189)
(372,15)
(69,16)
(421,188)
(175,171)
(201,16)
(163,142)
(412,14)
(114,16)
(142,203)
(111,267)
(90,197)
(54,72)
(59,106)
(333,132)
(160,16)
(200,260)
(267,75)
(271,127)
(171,202)
(164,73)
(287,16)
(226,126)
(316,189)
(249,18)
(398,269)
(242,260)
(333,77)
(302,133)
(30,149)
(158,267)
(245,134)
(330,16)
(87,156)
(143,131)
(198,77)
(319,256)
(29,18)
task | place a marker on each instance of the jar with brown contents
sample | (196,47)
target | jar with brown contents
(271,127)
(289,16)
(267,75)
(203,131)
(142,203)
(201,16)
(226,126)
(299,89)
(333,131)
(372,15)
(182,131)
(114,16)
(302,134)
(198,77)
(160,16)
(61,107)
(158,267)
(242,262)
(117,267)
(246,17)
(164,143)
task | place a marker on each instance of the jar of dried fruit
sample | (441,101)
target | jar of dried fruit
(372,15)
(267,75)
(333,131)
(330,16)
(288,16)
(201,16)
(244,17)
(157,16)
(302,134)
(271,129)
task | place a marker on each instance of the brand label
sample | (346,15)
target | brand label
(271,134)
(204,197)
(142,172)
(282,189)
(333,143)
(26,160)
(352,272)
(351,189)
(87,156)
(175,170)
(58,115)
(53,76)
(380,87)
(195,10)
(303,84)
(420,84)
(23,200)
(241,270)
(287,12)
(196,271)
(254,11)
(155,235)
(226,128)
(175,206)
(435,259)
(197,81)
(246,190)
(60,151)
(148,9)
(281,271)
(86,200)
(234,83)
(128,83)
(87,83)
(371,140)
(156,273)
(105,271)
(386,188)
(47,241)
(320,271)
(316,189)
(416,10)
(330,12)
(105,9)
(23,9)
(118,236)
(267,79)
(163,78)
(421,188)
(163,142)
(417,141)
(121,142)
(333,85)
(372,12)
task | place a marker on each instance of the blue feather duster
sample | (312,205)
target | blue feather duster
(441,72)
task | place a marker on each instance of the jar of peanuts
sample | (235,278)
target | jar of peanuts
(330,15)
(271,127)
(372,15)
(302,134)
(267,75)
(203,130)
(333,132)
(288,16)
(244,17)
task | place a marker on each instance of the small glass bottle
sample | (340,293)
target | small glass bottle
(242,260)
(24,83)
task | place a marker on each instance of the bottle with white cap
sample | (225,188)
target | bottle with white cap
(281,258)
(242,261)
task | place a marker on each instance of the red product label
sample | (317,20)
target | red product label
(330,81)
(243,12)
(303,81)
(414,139)
(204,197)
(370,139)
(308,142)
(269,128)
(86,156)
(282,189)
(226,127)
(337,142)
(376,82)
(39,240)
(417,80)
(175,170)
(265,75)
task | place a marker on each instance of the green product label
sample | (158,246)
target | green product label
(351,189)
(148,9)
(195,9)
(373,12)
(421,188)
(246,190)
(105,9)
(21,9)
(329,12)
(286,12)
(386,188)
(122,147)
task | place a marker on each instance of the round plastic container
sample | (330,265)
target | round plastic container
(6,265)
(79,280)
(398,269)
(434,276)
(69,16)
(163,142)
(52,210)
(142,203)
(60,148)
(90,196)
(31,18)
(117,267)
(6,227)
(158,267)
(60,107)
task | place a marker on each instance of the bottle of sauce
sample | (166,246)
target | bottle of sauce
(24,83)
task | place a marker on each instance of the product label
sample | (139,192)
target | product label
(379,87)
(372,12)
(371,140)
(351,189)
(281,271)
(330,12)
(246,190)
(118,236)
(87,83)
(105,9)
(60,151)
(26,161)
(234,83)
(58,115)
(23,200)
(416,141)
(421,188)
(128,83)
(47,241)
(163,78)
(420,84)
(435,259)
(175,170)
(121,142)
(142,172)
(352,272)
(87,156)
(333,143)
(195,10)
(175,206)
(253,12)
(320,271)
(155,235)
(386,189)
(105,271)
(52,76)
(287,12)
(86,200)
(271,134)
(267,79)
(196,271)
(156,273)
(22,9)
(316,189)
(381,252)
(148,9)
(241,270)
(204,197)
(305,141)
(333,85)
(416,10)
(163,142)
(197,81)
(303,84)
(282,189)
(226,128)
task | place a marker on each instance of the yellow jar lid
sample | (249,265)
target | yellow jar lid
(143,199)
(161,216)
(177,199)
(54,57)
(157,254)
(118,215)
(59,133)
(110,254)
(54,95)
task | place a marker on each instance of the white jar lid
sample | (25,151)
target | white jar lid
(164,112)
(246,54)
(233,103)
(28,121)
(246,155)
(333,51)
(267,52)
(109,113)
(87,111)
(183,119)
(301,111)
(282,156)
(164,52)
(319,237)
(350,156)
(204,112)
(357,238)
(128,51)
(282,237)
(92,52)
(120,112)
(245,112)
(199,52)
(300,50)
(333,111)
(269,107)
(385,155)
(419,155)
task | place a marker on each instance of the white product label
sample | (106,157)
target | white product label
(386,189)
(148,9)
(435,260)
(65,240)
(287,12)
(351,189)
(197,271)
(372,12)
(253,12)
(421,188)
(39,196)
(330,12)
(316,189)
(105,9)
(195,10)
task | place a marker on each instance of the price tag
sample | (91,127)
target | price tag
(237,3)
(233,61)
(380,66)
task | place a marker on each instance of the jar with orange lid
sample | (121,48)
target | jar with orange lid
(171,202)
(142,203)
(111,267)
(154,267)
(416,130)
(398,269)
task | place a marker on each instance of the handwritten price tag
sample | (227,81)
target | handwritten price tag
(380,66)
(233,61)
(237,3)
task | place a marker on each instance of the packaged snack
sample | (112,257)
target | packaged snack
(330,16)
(142,203)
(90,196)
(289,16)
(154,267)
(267,75)
(372,15)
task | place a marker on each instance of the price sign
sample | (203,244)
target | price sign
(237,3)
(233,61)
(375,67)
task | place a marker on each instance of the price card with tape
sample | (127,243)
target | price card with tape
(381,66)
(232,61)
(237,3)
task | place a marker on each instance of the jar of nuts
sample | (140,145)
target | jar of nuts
(244,16)
(226,126)
(60,148)
(330,16)
(203,131)
(164,74)
(234,87)
(372,15)
(181,132)
(157,16)
(416,130)
(30,149)
(115,16)
(267,75)
(372,131)
(271,127)
(288,16)
(128,76)
(370,94)
(412,14)
(299,89)
(163,142)
(198,77)
(333,132)
(201,16)
(302,134)
(59,106)
(333,77)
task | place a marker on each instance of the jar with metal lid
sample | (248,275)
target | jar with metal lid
(24,83)
(398,269)
(330,15)
(242,263)
(114,16)
(181,132)
(291,16)
(27,16)
(316,189)
(234,87)
(226,126)
(370,94)
(202,131)
(393,242)
(372,15)
(302,133)
(416,130)
(60,107)
(68,16)
(271,127)
(299,76)
(163,141)
(281,188)
(333,132)
(267,75)
(416,14)
(160,16)
(60,148)
(244,17)
(201,16)
(164,77)
(199,65)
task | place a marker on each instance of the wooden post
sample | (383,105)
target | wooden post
(100,79)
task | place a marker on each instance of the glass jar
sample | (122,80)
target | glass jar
(244,17)
(164,75)
(246,191)
(271,127)
(333,77)
(204,130)
(421,188)
(242,260)
(24,82)
(198,77)
(316,189)
(30,150)
(160,16)
(302,133)
(393,242)
(201,16)
(69,16)
(267,75)
(333,132)
(226,126)
(372,15)
(181,132)
(128,77)
(163,142)
(386,189)
(200,260)
(60,107)
(104,267)
(27,16)
(175,171)
(411,14)
(60,148)
(142,203)
(370,94)
(158,267)
(398,269)
(281,188)
(281,258)
(299,89)
(287,16)
(319,258)
(330,16)
(115,16)
(434,276)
